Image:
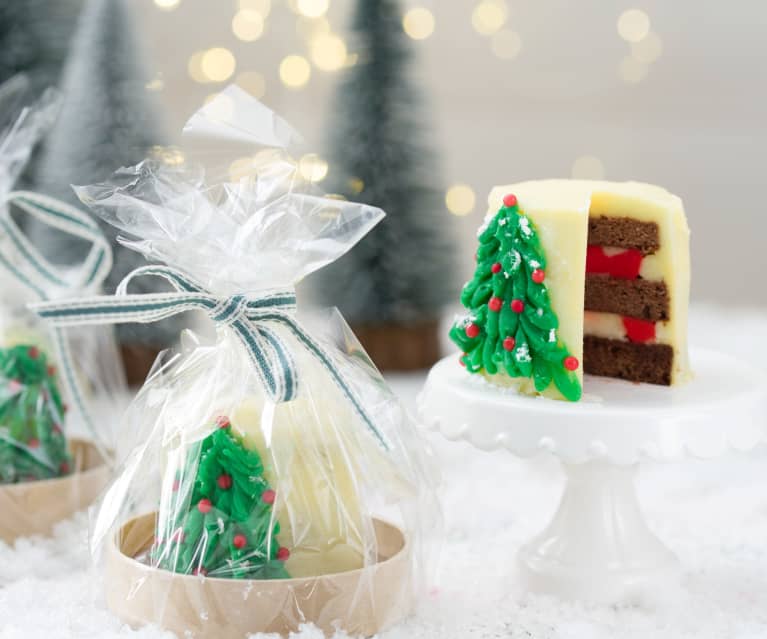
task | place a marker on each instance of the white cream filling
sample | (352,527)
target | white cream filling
(610,326)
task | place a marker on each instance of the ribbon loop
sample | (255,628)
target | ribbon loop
(252,318)
(46,280)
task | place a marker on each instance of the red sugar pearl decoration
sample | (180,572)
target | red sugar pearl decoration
(496,268)
(268,496)
(204,506)
(64,468)
(283,554)
(223,421)
(538,275)
(51,370)
(240,541)
(495,304)
(517,306)
(510,200)
(571,363)
(471,330)
(33,352)
(509,343)
(224,481)
(199,571)
(33,443)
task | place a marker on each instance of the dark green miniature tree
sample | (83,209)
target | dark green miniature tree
(221,523)
(394,284)
(511,326)
(32,442)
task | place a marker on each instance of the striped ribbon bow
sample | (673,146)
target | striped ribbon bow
(48,281)
(252,318)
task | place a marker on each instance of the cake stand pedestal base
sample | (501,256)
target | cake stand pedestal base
(598,546)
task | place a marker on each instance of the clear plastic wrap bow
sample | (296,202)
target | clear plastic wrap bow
(43,372)
(270,463)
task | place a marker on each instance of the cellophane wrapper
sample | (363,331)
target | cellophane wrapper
(45,473)
(287,510)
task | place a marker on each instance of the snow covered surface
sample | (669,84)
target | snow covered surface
(713,514)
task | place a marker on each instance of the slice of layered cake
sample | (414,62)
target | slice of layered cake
(575,271)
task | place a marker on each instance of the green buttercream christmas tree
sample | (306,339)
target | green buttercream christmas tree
(222,515)
(32,443)
(511,326)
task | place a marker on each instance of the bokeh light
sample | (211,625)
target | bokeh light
(248,25)
(217,64)
(328,52)
(194,67)
(588,167)
(253,82)
(647,50)
(489,16)
(506,44)
(460,199)
(167,5)
(313,168)
(418,23)
(633,25)
(356,185)
(312,8)
(295,71)
(632,71)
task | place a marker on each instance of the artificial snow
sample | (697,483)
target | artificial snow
(712,514)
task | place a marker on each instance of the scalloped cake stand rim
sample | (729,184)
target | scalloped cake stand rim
(723,407)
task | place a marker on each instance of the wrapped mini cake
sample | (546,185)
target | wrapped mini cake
(577,276)
(44,476)
(273,479)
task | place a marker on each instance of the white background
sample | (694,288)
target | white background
(694,123)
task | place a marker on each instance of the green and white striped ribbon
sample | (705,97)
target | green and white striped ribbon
(252,318)
(48,281)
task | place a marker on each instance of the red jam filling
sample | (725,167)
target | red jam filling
(624,265)
(638,330)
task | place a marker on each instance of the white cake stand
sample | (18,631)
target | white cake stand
(598,546)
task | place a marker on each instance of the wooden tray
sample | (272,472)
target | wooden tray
(33,508)
(361,602)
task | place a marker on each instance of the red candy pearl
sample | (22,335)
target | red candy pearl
(268,496)
(33,443)
(517,306)
(51,370)
(204,506)
(224,482)
(510,200)
(223,421)
(538,275)
(570,363)
(64,468)
(472,330)
(496,268)
(33,352)
(509,343)
(495,304)
(240,541)
(283,554)
(199,571)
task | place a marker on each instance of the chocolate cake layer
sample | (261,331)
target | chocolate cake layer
(649,363)
(624,232)
(642,299)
